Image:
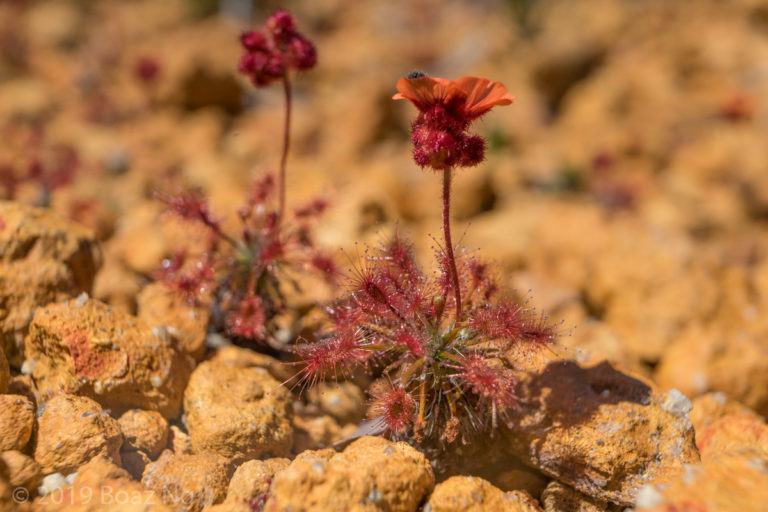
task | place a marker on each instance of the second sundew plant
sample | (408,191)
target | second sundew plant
(446,341)
(241,275)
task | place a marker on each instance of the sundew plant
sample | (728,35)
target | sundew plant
(446,342)
(242,274)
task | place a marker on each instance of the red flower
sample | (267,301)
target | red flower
(446,109)
(470,96)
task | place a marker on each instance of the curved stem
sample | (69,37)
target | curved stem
(448,243)
(286,144)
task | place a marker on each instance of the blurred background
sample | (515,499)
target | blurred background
(626,188)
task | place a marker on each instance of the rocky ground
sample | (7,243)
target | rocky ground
(626,188)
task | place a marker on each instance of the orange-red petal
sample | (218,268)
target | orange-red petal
(425,91)
(482,94)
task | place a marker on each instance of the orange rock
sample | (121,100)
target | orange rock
(311,432)
(17,419)
(43,258)
(558,497)
(715,358)
(101,485)
(178,441)
(746,435)
(371,474)
(729,483)
(253,479)
(710,407)
(146,431)
(160,306)
(189,482)
(473,494)
(600,431)
(86,347)
(23,471)
(71,431)
(246,358)
(238,412)
(344,401)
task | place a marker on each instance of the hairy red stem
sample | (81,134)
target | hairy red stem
(286,143)
(448,243)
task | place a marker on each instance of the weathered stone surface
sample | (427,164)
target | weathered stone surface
(371,474)
(732,475)
(99,469)
(558,497)
(729,483)
(134,462)
(245,358)
(17,419)
(711,358)
(116,284)
(313,432)
(178,441)
(238,412)
(84,346)
(7,502)
(160,306)
(343,400)
(24,385)
(100,485)
(5,372)
(189,482)
(146,431)
(43,258)
(229,506)
(743,435)
(23,471)
(253,478)
(73,430)
(600,431)
(473,494)
(710,407)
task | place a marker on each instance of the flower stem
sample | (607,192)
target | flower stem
(286,143)
(448,243)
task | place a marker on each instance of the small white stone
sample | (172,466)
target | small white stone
(156,381)
(98,387)
(101,342)
(648,497)
(51,483)
(677,403)
(81,299)
(27,367)
(161,332)
(214,340)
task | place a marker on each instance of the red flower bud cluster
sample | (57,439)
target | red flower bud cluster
(446,108)
(270,54)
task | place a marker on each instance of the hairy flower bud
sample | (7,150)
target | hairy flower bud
(270,54)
